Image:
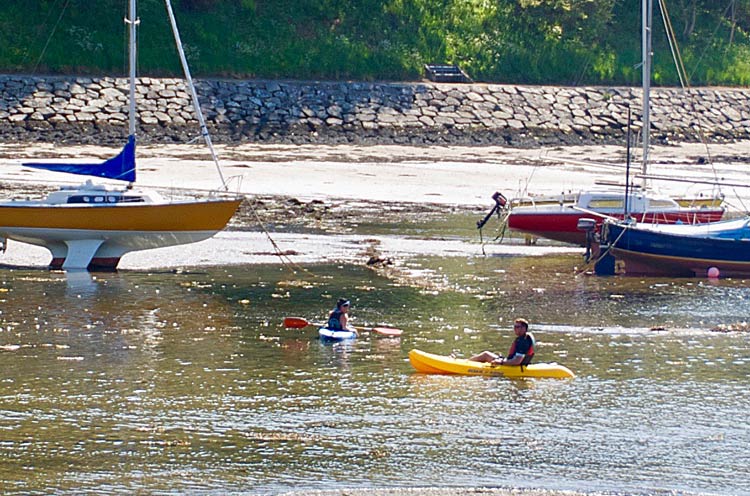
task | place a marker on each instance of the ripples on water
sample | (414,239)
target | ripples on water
(186,382)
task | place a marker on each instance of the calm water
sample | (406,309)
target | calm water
(186,382)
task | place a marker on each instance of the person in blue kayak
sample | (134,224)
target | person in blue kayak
(338,319)
(521,351)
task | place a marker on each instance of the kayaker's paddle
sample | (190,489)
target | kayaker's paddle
(296,322)
(300,323)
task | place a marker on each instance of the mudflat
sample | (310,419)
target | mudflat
(307,197)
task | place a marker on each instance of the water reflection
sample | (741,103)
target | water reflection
(188,382)
(81,283)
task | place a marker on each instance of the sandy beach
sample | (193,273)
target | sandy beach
(454,175)
(322,187)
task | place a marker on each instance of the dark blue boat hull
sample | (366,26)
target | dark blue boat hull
(641,251)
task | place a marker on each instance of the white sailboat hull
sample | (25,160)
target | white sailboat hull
(97,236)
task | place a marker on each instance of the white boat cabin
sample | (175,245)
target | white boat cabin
(614,202)
(89,193)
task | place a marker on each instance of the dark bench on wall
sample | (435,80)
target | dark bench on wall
(446,74)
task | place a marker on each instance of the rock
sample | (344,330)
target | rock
(736,327)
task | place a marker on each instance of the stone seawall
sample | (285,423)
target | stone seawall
(94,110)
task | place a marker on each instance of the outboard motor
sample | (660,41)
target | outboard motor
(589,227)
(605,264)
(500,203)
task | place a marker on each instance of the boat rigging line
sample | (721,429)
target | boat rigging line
(49,38)
(193,93)
(683,76)
(207,137)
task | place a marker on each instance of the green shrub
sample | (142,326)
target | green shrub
(513,41)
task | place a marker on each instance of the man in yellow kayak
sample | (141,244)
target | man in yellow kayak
(521,351)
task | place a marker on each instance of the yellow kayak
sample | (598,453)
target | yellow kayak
(428,363)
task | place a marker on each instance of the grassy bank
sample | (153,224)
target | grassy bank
(510,41)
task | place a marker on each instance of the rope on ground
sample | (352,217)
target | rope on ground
(287,262)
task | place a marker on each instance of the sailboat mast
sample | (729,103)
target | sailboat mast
(132,22)
(647,10)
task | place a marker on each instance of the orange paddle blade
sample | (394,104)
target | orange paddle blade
(296,322)
(387,331)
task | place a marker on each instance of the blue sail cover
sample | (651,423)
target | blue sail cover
(120,167)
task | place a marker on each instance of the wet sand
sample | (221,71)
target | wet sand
(250,247)
(308,197)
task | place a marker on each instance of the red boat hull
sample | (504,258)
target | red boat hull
(563,224)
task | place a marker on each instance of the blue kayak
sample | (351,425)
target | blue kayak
(331,335)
